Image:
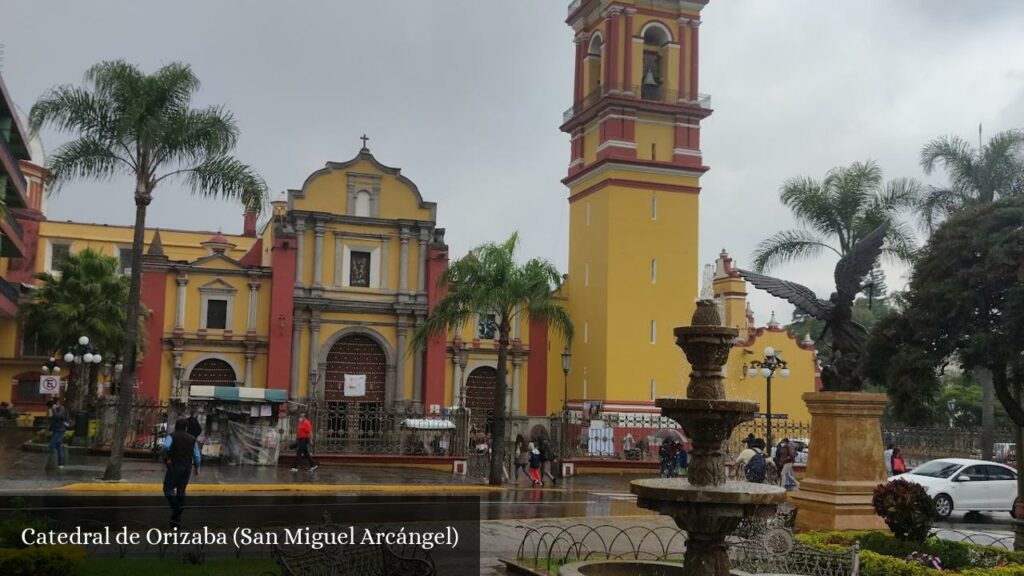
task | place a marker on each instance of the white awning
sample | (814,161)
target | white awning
(428,424)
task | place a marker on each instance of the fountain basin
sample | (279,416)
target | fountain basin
(732,492)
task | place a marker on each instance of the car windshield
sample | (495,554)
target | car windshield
(937,469)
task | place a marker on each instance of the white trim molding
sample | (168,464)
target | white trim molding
(217,289)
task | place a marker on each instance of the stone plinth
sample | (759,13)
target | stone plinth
(845,462)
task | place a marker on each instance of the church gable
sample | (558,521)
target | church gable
(362,188)
(217,261)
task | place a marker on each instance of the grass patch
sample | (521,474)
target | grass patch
(175,567)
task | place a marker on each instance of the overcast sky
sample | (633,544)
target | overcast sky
(466,97)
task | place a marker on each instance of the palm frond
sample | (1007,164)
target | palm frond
(786,246)
(226,177)
(951,152)
(85,157)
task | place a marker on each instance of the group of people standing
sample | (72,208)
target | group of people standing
(894,463)
(534,461)
(675,457)
(754,464)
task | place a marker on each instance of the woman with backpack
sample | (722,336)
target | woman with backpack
(755,467)
(547,456)
(534,471)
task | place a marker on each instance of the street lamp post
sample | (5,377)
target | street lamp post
(566,365)
(771,364)
(463,360)
(82,354)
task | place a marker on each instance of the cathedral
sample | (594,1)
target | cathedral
(321,299)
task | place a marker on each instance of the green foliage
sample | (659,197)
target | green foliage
(489,280)
(142,125)
(36,560)
(87,295)
(14,523)
(965,302)
(976,175)
(883,553)
(906,508)
(840,210)
(157,567)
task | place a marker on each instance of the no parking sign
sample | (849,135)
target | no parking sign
(49,385)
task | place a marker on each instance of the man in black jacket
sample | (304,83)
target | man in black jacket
(180,452)
(192,425)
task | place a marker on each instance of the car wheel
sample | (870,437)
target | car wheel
(943,506)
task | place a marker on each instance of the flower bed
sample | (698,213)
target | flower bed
(882,554)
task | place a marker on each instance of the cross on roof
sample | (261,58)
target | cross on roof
(364,138)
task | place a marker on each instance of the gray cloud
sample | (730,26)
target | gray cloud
(466,97)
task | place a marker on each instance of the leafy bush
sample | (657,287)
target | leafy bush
(906,508)
(12,526)
(883,554)
(35,560)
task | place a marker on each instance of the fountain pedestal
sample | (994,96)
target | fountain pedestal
(845,462)
(704,504)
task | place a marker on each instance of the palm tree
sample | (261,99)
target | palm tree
(840,210)
(488,279)
(128,122)
(87,296)
(976,175)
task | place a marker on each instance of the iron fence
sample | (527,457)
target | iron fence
(758,427)
(920,444)
(147,424)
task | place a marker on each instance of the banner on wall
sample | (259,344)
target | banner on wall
(355,384)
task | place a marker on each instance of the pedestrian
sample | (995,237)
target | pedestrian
(522,458)
(534,471)
(749,440)
(667,454)
(303,435)
(755,467)
(788,459)
(682,459)
(58,426)
(898,465)
(192,425)
(547,456)
(180,452)
(887,456)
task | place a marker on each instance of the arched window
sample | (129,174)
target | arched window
(656,39)
(593,63)
(212,372)
(363,203)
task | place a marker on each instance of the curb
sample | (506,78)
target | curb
(154,488)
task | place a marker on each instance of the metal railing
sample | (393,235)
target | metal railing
(148,421)
(641,93)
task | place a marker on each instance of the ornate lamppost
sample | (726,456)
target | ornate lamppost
(771,364)
(82,354)
(463,359)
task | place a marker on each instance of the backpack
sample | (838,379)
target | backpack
(756,470)
(545,452)
(534,460)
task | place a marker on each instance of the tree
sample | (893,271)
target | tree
(488,279)
(965,302)
(976,176)
(127,122)
(87,296)
(838,211)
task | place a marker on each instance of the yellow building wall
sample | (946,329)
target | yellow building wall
(786,392)
(178,244)
(328,192)
(655,139)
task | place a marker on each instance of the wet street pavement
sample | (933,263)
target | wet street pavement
(589,499)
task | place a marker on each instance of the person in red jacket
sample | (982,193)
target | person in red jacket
(304,434)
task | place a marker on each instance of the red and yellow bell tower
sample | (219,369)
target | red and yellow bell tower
(634,184)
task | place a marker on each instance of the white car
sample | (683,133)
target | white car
(968,485)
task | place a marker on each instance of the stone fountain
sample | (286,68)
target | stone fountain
(706,505)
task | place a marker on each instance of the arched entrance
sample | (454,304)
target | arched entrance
(480,387)
(212,372)
(353,416)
